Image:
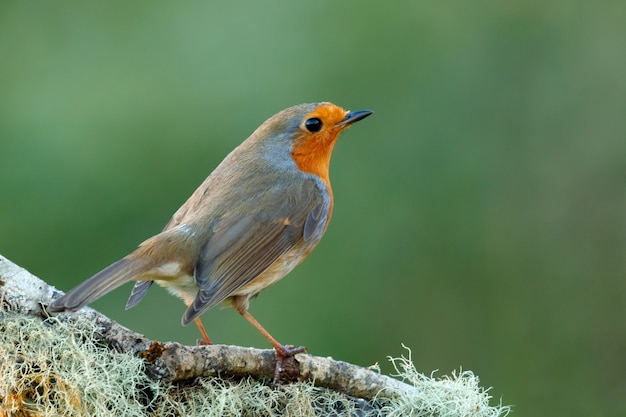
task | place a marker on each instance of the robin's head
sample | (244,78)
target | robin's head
(310,132)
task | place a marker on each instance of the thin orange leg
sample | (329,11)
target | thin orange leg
(264,332)
(205,336)
(282,351)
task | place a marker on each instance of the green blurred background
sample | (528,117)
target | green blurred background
(480,214)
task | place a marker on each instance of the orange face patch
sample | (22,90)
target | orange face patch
(314,144)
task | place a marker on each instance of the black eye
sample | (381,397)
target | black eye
(313,125)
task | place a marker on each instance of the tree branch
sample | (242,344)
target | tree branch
(83,363)
(27,294)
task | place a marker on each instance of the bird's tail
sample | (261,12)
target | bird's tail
(98,285)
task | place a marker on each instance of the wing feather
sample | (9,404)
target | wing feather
(242,247)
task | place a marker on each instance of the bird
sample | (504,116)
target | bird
(260,213)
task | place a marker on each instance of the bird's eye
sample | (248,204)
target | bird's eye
(313,125)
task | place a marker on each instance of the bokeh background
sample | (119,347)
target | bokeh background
(480,214)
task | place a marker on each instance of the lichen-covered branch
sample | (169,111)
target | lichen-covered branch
(171,361)
(86,364)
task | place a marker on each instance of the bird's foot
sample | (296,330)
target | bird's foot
(285,360)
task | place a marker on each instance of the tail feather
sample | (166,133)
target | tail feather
(98,285)
(138,292)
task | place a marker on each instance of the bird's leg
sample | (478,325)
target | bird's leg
(282,351)
(205,336)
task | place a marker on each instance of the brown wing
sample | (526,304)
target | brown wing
(242,247)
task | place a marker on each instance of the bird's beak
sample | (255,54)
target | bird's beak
(354,116)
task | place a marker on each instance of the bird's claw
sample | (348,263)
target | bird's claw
(203,342)
(282,354)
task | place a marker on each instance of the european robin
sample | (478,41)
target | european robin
(256,216)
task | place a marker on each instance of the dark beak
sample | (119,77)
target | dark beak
(354,116)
